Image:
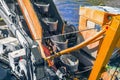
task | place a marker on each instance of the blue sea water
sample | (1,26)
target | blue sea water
(69,9)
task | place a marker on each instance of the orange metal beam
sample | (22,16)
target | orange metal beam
(118,44)
(32,22)
(108,45)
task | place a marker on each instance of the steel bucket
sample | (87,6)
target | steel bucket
(59,42)
(52,23)
(70,61)
(44,7)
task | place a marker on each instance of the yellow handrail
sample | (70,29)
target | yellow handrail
(86,42)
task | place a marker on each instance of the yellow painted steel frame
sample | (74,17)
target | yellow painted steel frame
(118,44)
(109,42)
(98,17)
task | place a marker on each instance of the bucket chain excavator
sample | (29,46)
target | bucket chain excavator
(50,49)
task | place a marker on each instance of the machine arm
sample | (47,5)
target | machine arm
(78,46)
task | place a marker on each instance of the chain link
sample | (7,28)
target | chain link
(66,33)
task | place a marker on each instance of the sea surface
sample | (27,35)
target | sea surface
(69,9)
